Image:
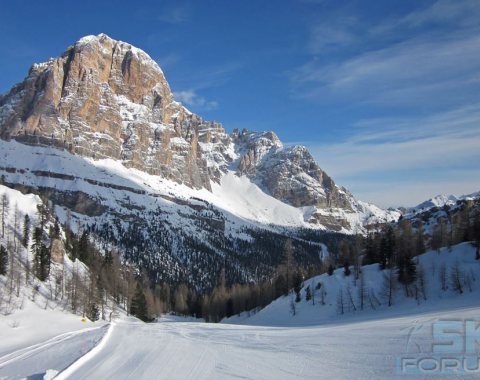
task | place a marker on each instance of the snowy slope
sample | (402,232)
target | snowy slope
(279,313)
(29,315)
(362,349)
(238,196)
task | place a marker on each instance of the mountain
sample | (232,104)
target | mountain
(98,133)
(440,201)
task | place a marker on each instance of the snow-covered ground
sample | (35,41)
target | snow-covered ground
(316,343)
(367,349)
(433,264)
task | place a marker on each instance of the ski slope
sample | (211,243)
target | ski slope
(51,356)
(172,349)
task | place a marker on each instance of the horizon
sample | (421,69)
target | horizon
(384,100)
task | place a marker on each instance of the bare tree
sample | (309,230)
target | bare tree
(457,278)
(420,286)
(351,303)
(389,286)
(443,277)
(362,291)
(340,302)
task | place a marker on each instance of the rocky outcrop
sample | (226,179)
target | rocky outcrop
(289,174)
(57,251)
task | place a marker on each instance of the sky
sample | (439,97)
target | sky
(385,94)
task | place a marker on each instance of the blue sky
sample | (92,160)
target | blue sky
(386,94)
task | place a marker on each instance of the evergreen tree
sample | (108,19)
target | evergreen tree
(84,248)
(41,255)
(280,285)
(407,272)
(36,250)
(4,211)
(45,260)
(370,252)
(346,268)
(93,313)
(26,231)
(387,246)
(56,229)
(3,260)
(330,269)
(420,243)
(297,285)
(138,307)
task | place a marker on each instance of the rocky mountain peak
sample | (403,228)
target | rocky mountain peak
(104,98)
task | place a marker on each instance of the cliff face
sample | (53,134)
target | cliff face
(289,174)
(107,99)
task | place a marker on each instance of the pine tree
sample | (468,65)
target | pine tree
(138,307)
(45,260)
(346,268)
(370,253)
(26,231)
(56,229)
(297,285)
(407,272)
(420,241)
(84,248)
(3,260)
(330,269)
(387,247)
(93,313)
(36,250)
(4,211)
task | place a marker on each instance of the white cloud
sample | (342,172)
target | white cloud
(423,66)
(428,56)
(404,161)
(403,73)
(192,99)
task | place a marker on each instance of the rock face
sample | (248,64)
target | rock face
(57,250)
(289,174)
(107,99)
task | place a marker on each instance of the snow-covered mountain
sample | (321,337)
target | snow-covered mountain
(97,131)
(105,99)
(440,201)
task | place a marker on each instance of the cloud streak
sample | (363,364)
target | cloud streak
(396,62)
(385,158)
(421,72)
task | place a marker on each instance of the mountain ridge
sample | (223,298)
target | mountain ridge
(99,134)
(107,99)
